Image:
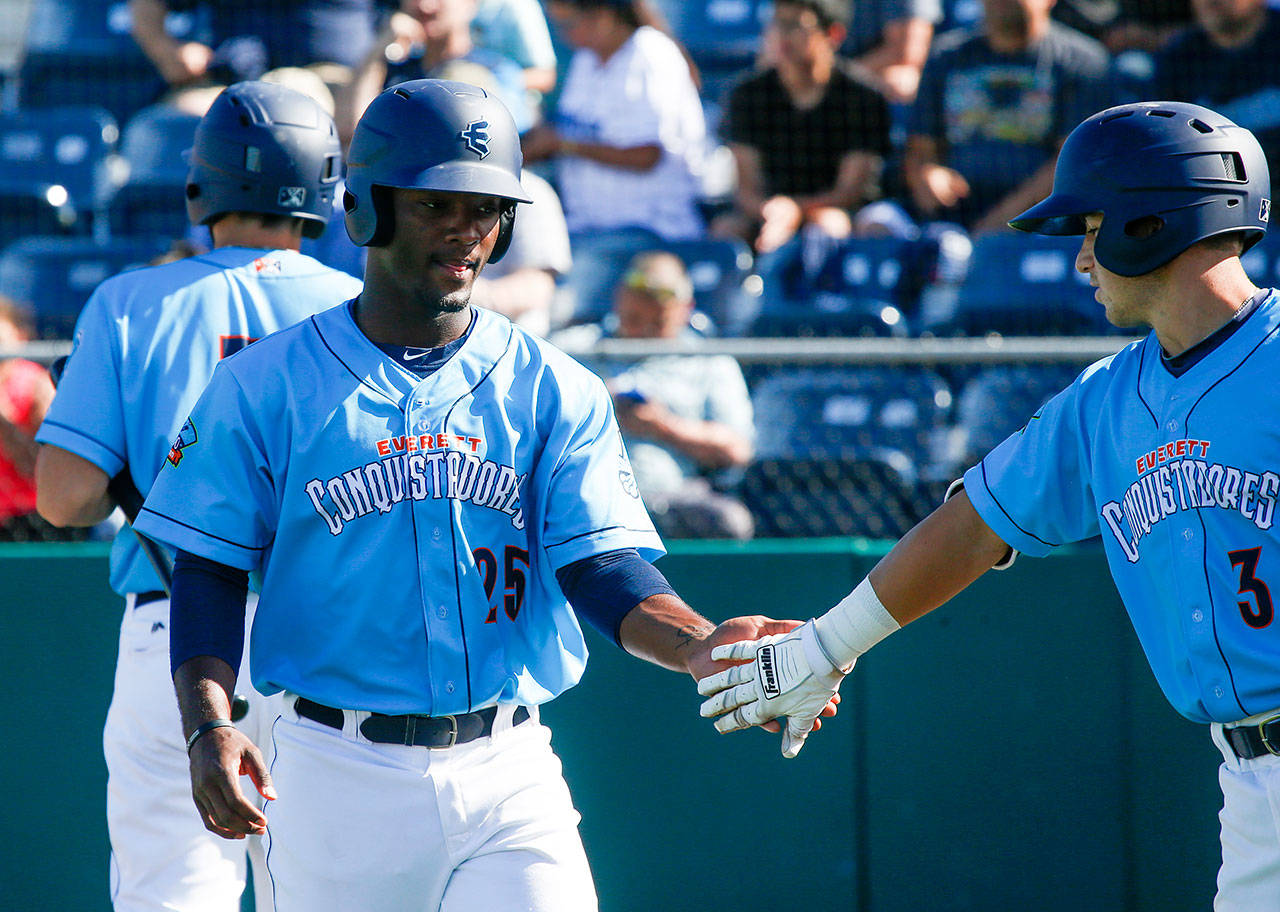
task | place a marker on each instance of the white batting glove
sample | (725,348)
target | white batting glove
(788,675)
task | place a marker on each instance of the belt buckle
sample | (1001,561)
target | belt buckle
(1272,749)
(453,731)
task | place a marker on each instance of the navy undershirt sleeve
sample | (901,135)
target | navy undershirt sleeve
(206,612)
(603,588)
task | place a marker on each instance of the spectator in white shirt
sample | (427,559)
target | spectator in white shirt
(629,134)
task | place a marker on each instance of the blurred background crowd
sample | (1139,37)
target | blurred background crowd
(705,175)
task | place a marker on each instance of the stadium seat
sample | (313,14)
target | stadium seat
(24,213)
(723,284)
(63,155)
(857,286)
(149,209)
(84,49)
(599,260)
(1023,285)
(721,272)
(855,412)
(154,141)
(721,35)
(56,275)
(152,202)
(824,497)
(998,400)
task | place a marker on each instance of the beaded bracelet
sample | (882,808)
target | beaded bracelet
(206,727)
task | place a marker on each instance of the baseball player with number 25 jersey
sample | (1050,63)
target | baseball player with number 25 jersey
(1170,450)
(265,165)
(425,489)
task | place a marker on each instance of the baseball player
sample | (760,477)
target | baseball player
(424,489)
(1168,450)
(263,169)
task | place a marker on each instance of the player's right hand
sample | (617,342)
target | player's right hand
(218,760)
(785,675)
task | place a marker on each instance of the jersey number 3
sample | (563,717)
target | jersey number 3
(1259,613)
(513,578)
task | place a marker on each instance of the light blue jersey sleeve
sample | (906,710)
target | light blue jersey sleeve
(591,498)
(226,471)
(1035,488)
(87,417)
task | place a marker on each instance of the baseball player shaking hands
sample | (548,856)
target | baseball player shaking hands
(1169,450)
(425,489)
(265,165)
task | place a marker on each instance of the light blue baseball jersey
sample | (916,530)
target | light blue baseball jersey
(146,344)
(407,530)
(1180,475)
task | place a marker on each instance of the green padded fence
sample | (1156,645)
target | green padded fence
(1010,751)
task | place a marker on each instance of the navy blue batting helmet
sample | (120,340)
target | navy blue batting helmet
(431,134)
(266,149)
(1193,170)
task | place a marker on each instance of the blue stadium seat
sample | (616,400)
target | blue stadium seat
(64,155)
(154,141)
(721,272)
(31,212)
(723,284)
(153,201)
(848,451)
(825,497)
(1023,285)
(56,275)
(100,27)
(719,34)
(855,412)
(599,260)
(143,208)
(998,400)
(84,49)
(858,286)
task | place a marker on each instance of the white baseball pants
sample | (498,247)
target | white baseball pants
(387,828)
(1250,876)
(162,857)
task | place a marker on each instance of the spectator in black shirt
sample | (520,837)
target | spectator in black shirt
(809,135)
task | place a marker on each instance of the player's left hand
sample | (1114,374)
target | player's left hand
(784,675)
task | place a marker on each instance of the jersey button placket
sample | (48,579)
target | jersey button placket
(431,513)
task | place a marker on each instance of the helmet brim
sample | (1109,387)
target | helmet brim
(1058,214)
(468,177)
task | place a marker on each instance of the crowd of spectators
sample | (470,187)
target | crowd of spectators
(914,120)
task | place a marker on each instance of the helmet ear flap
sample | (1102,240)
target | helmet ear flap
(381,213)
(506,223)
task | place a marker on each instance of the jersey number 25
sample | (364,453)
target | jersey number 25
(513,578)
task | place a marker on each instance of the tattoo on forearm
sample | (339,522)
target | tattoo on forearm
(693,632)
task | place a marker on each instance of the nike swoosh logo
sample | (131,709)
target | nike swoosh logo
(422,354)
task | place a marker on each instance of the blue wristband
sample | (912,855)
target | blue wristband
(605,587)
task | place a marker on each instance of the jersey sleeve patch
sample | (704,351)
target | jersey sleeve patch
(186,437)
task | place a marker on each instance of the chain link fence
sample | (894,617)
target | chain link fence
(854,437)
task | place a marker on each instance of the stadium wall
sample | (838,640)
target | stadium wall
(1009,751)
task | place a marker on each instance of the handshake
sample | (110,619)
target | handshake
(794,675)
